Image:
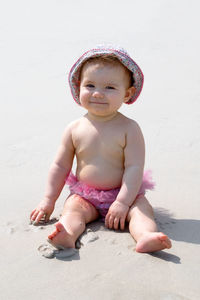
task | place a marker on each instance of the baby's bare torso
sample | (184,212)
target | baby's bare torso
(99,149)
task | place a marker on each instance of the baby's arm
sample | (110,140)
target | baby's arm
(134,154)
(58,172)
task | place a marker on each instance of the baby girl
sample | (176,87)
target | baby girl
(110,181)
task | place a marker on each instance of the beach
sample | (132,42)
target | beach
(39,42)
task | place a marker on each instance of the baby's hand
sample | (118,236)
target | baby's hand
(116,215)
(44,209)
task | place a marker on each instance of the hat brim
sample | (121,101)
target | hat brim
(123,57)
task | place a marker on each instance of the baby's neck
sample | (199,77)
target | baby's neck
(101,118)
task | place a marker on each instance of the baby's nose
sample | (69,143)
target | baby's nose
(98,93)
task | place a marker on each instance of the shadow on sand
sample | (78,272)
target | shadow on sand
(185,230)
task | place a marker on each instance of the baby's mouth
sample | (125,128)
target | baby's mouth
(97,102)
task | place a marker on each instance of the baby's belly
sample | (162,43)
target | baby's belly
(103,177)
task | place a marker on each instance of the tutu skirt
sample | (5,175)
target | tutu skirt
(102,199)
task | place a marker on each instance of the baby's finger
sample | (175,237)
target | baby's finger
(110,222)
(32,213)
(47,216)
(107,220)
(39,217)
(122,223)
(116,223)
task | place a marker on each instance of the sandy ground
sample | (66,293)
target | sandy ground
(39,41)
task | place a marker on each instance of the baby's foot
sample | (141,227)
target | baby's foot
(60,238)
(153,241)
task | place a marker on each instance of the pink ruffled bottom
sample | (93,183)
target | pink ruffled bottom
(102,199)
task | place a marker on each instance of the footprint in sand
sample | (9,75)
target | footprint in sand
(49,252)
(88,236)
(10,227)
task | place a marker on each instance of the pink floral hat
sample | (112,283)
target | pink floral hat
(123,57)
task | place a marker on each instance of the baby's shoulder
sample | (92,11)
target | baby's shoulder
(74,124)
(75,127)
(128,122)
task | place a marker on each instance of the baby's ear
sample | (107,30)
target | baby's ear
(129,93)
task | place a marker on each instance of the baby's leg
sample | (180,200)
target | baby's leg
(77,212)
(143,228)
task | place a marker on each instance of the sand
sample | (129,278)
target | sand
(39,41)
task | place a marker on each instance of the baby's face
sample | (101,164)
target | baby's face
(104,88)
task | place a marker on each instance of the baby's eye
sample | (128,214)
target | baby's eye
(89,85)
(110,87)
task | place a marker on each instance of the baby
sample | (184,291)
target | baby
(109,148)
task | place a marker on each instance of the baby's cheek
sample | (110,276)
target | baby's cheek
(83,96)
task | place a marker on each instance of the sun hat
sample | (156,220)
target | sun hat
(98,51)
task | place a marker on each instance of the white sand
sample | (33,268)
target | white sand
(39,41)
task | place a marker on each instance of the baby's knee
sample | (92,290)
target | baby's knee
(76,203)
(81,207)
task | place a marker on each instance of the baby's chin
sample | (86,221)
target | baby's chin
(102,115)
